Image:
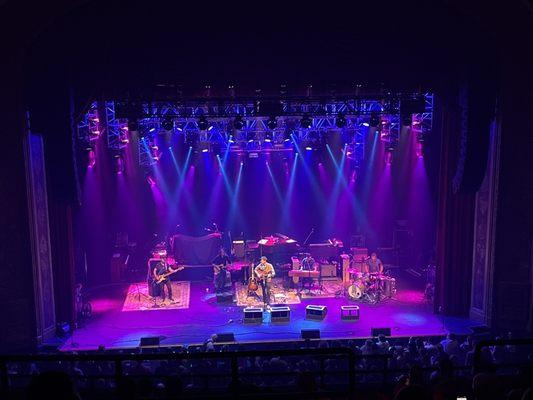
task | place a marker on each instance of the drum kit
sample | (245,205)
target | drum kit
(371,288)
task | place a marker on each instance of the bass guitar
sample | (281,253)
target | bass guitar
(162,277)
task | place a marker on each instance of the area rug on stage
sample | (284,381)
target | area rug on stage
(279,295)
(329,289)
(137,298)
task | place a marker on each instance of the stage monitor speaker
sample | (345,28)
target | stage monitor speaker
(310,333)
(280,314)
(253,315)
(315,312)
(380,331)
(150,341)
(225,337)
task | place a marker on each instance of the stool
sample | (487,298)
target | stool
(349,313)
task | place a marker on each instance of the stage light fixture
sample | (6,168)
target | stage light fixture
(272,123)
(374,120)
(306,122)
(406,120)
(340,121)
(203,124)
(250,136)
(238,123)
(167,124)
(191,138)
(133,125)
(269,136)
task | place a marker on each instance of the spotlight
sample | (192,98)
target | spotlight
(133,125)
(420,149)
(269,136)
(238,123)
(191,138)
(272,123)
(250,136)
(91,157)
(388,156)
(374,120)
(167,124)
(119,164)
(203,124)
(340,121)
(306,122)
(150,179)
(406,120)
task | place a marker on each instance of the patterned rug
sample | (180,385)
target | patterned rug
(137,298)
(279,295)
(330,288)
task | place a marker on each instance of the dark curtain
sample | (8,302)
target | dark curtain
(196,250)
(63,260)
(455,224)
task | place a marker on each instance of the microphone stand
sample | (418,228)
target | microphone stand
(307,238)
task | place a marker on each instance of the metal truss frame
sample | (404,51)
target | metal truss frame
(89,128)
(221,112)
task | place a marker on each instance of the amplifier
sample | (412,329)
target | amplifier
(315,312)
(238,249)
(253,315)
(280,314)
(328,270)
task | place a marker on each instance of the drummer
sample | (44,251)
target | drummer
(373,265)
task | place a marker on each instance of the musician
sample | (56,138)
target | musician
(373,265)
(158,270)
(264,271)
(308,263)
(220,272)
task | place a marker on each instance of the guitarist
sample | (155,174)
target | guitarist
(220,272)
(160,269)
(265,272)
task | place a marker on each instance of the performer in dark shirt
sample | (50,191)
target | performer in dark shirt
(220,272)
(373,265)
(158,271)
(221,260)
(308,263)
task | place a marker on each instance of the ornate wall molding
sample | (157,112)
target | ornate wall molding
(485,234)
(43,283)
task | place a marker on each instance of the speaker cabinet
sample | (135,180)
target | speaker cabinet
(225,337)
(149,341)
(310,333)
(380,331)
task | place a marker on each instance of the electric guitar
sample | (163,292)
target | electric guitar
(162,277)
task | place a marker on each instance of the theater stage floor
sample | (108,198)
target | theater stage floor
(406,315)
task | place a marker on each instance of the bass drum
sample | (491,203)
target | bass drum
(356,291)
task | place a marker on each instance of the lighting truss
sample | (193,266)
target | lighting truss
(90,128)
(255,112)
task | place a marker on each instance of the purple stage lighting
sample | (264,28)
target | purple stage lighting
(92,157)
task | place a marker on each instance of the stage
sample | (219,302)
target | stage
(114,326)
